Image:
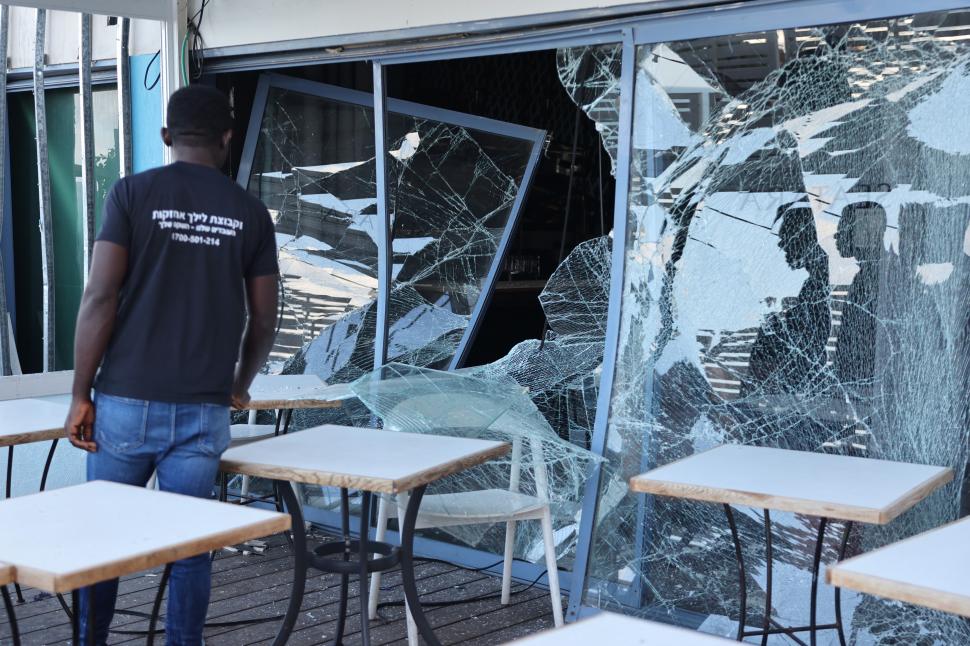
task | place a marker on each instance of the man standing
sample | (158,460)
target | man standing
(182,254)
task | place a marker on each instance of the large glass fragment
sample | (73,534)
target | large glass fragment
(541,467)
(796,275)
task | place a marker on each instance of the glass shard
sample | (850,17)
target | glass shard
(796,276)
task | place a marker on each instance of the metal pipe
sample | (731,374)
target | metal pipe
(87,141)
(385,250)
(123,65)
(44,189)
(5,362)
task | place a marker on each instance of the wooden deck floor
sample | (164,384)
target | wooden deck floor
(258,586)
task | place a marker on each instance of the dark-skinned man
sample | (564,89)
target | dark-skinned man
(163,338)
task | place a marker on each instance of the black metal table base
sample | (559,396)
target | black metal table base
(371,556)
(769,626)
(11,615)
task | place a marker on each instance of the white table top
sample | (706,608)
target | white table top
(819,484)
(68,538)
(931,569)
(271,392)
(31,420)
(360,458)
(6,573)
(610,629)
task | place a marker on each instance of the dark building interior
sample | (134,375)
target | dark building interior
(570,198)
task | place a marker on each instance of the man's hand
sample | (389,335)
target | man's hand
(79,426)
(240,397)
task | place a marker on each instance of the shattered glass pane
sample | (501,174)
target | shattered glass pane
(796,275)
(541,468)
(451,193)
(314,169)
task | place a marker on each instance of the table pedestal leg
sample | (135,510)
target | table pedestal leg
(843,547)
(769,625)
(344,577)
(8,492)
(363,556)
(407,568)
(157,606)
(816,562)
(47,465)
(742,581)
(299,562)
(11,615)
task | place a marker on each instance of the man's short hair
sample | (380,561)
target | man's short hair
(198,114)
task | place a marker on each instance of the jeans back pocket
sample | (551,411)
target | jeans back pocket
(120,423)
(214,433)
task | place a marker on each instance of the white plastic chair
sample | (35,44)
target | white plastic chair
(484,507)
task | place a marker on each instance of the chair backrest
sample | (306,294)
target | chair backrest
(36,385)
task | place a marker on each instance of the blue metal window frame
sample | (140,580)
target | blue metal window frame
(382,106)
(675,26)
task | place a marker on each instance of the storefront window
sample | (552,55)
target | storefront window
(452,192)
(796,276)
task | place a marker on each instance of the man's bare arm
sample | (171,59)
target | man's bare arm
(263,297)
(95,322)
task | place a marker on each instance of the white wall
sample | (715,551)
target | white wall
(237,22)
(241,22)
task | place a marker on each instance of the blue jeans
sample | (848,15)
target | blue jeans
(182,443)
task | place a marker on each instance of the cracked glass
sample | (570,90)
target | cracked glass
(452,193)
(796,275)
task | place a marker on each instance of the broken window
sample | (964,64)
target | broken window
(454,183)
(796,275)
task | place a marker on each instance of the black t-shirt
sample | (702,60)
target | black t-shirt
(193,238)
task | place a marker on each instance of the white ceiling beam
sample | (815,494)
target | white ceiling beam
(148,9)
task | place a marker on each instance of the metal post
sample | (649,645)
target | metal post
(87,141)
(44,189)
(170,59)
(124,98)
(385,250)
(5,362)
(600,427)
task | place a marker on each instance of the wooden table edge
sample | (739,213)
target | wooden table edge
(831,511)
(62,583)
(297,404)
(306,476)
(8,573)
(910,499)
(893,589)
(433,474)
(350,481)
(29,437)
